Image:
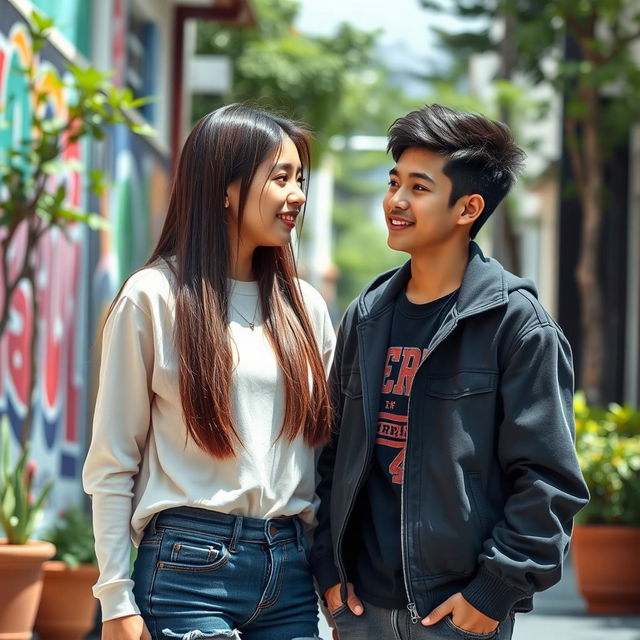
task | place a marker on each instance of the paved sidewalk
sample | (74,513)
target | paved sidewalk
(560,614)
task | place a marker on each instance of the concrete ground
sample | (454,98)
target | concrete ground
(560,614)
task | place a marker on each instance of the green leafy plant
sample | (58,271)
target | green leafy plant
(73,537)
(19,510)
(608,445)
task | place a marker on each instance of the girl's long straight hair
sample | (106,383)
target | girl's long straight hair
(224,146)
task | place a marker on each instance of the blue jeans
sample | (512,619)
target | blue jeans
(203,574)
(395,624)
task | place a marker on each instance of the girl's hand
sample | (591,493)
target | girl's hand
(125,628)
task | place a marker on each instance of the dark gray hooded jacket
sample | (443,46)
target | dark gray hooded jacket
(491,479)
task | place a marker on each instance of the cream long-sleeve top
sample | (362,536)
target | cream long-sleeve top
(140,460)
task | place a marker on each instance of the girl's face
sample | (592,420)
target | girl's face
(273,203)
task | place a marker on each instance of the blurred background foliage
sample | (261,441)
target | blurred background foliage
(360,246)
(334,84)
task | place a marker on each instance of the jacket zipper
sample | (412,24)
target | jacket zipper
(413,611)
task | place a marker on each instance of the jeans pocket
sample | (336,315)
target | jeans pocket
(469,635)
(187,551)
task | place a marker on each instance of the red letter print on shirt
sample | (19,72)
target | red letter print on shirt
(400,368)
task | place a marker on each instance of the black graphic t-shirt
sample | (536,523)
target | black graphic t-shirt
(377,565)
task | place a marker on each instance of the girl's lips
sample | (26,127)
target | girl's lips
(288,219)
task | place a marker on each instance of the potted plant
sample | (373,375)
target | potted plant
(67,607)
(20,557)
(607,534)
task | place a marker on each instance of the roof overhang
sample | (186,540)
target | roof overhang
(240,13)
(237,12)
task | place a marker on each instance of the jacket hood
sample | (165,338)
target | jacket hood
(485,285)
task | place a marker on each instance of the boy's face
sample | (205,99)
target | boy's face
(416,206)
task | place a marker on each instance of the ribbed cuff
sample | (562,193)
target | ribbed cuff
(116,602)
(325,573)
(491,595)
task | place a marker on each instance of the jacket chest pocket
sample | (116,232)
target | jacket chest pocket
(351,383)
(464,383)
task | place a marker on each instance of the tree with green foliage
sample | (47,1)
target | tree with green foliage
(602,93)
(335,83)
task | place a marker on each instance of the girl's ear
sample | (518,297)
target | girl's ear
(470,207)
(232,196)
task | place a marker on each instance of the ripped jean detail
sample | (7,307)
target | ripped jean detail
(196,634)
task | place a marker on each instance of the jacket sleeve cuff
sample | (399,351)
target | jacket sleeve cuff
(491,595)
(116,602)
(325,573)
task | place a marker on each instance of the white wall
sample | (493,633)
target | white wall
(632,363)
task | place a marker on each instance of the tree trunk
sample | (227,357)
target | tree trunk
(35,310)
(26,271)
(8,287)
(587,271)
(506,233)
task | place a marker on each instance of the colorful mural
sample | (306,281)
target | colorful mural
(78,273)
(55,434)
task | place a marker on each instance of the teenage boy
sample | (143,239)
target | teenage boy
(450,485)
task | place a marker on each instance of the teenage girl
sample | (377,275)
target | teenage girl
(212,402)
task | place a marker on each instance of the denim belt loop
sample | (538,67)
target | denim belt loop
(237,528)
(151,527)
(299,532)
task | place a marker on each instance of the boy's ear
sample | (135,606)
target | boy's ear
(469,207)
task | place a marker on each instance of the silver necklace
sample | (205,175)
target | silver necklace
(252,322)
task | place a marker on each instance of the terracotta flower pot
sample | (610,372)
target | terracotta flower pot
(607,563)
(67,606)
(20,586)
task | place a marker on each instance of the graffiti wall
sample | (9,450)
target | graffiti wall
(78,273)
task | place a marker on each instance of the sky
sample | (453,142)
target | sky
(407,42)
(406,25)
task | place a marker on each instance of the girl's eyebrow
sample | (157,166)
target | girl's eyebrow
(286,166)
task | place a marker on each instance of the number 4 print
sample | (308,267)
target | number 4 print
(396,468)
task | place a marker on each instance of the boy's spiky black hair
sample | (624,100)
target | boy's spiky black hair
(482,156)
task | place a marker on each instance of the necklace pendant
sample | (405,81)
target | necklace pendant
(252,326)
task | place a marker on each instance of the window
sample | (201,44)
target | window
(141,67)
